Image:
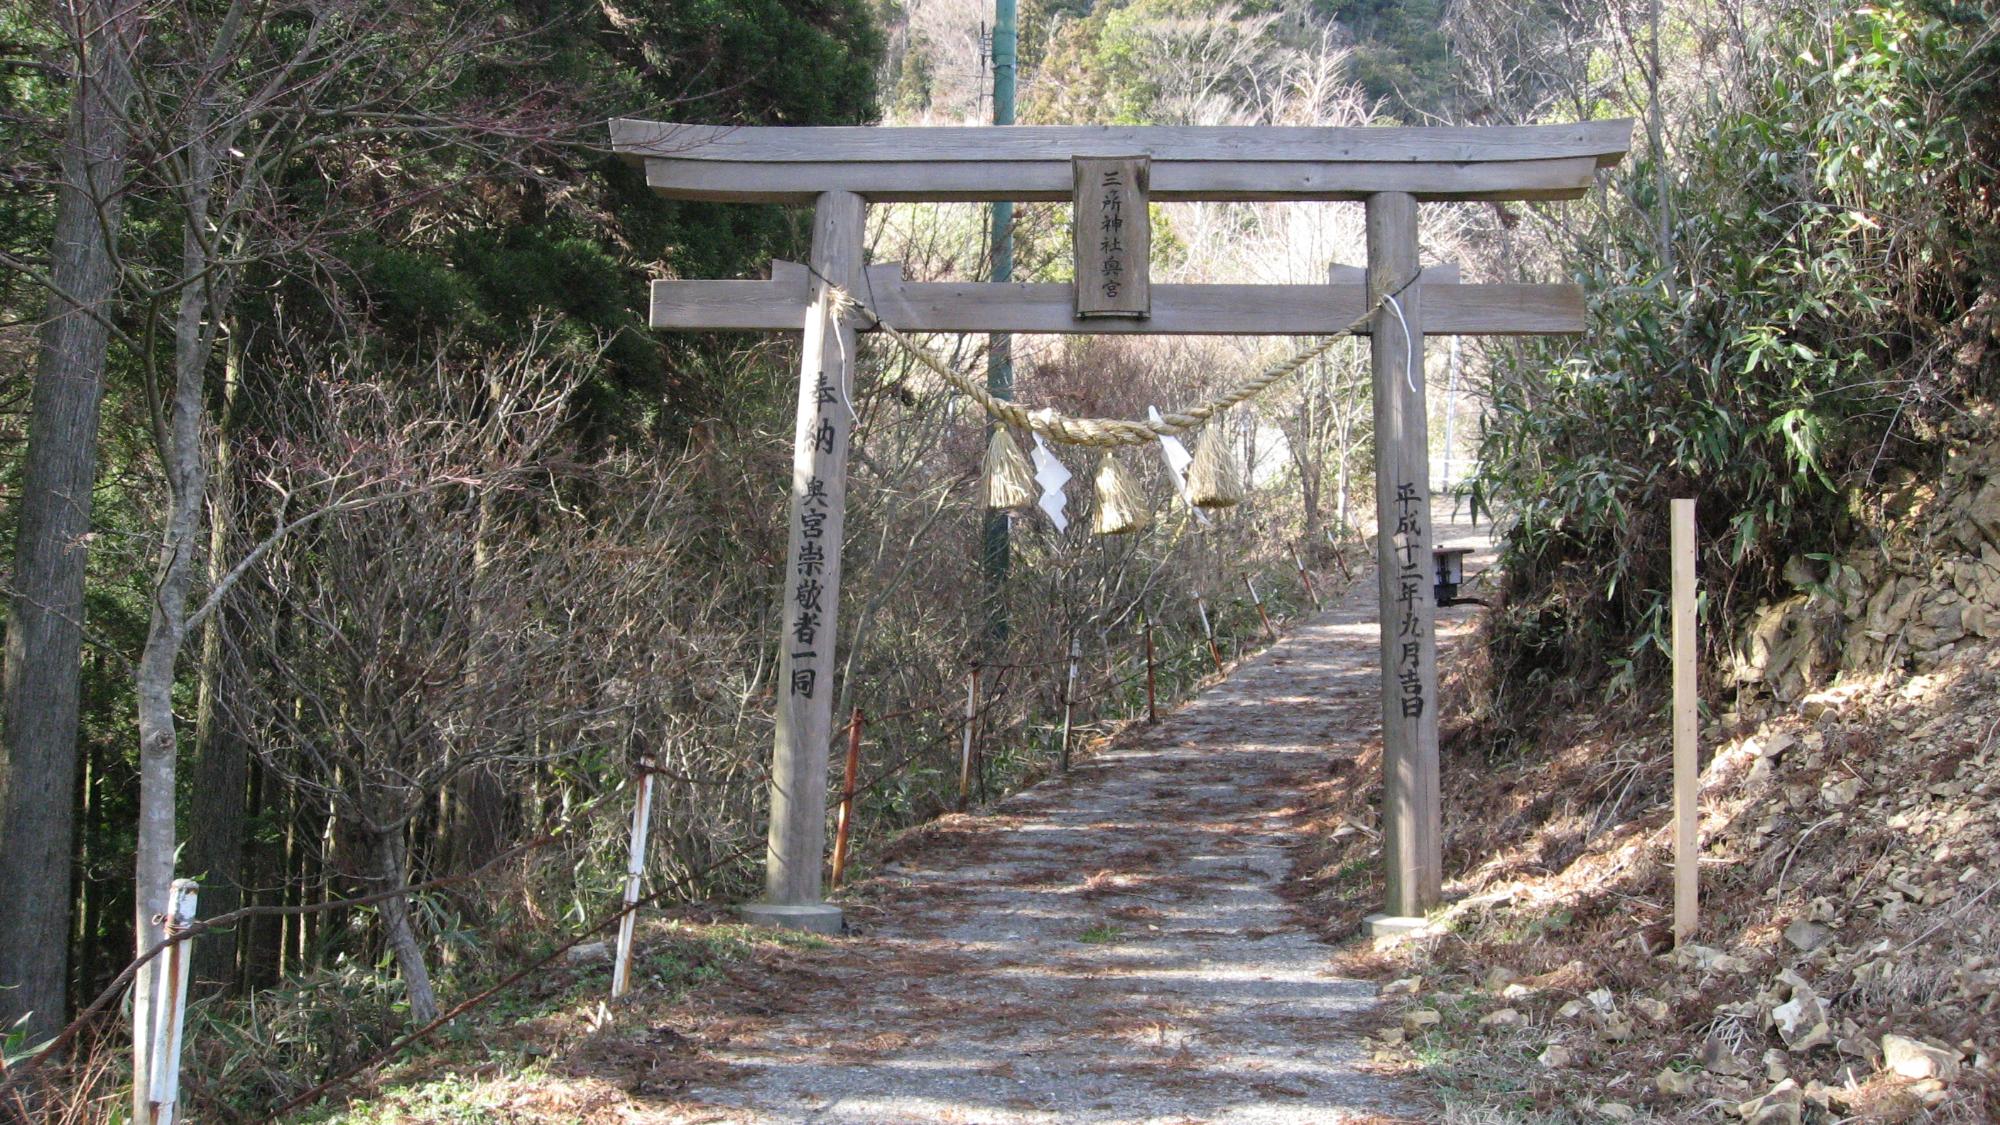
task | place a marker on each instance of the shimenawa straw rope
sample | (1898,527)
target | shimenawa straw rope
(1108,433)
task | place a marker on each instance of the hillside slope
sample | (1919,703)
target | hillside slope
(1848,962)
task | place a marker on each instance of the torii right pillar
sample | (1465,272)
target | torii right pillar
(1412,827)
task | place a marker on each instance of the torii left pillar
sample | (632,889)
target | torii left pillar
(820,440)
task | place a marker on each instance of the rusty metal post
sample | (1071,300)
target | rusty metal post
(1270,634)
(1318,606)
(845,826)
(1208,630)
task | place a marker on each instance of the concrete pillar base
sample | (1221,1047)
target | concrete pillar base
(817,917)
(1394,926)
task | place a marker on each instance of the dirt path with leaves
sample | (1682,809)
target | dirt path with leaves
(1110,946)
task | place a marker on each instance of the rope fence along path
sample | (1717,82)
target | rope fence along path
(1110,433)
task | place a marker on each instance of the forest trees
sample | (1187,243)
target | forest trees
(236,107)
(407,615)
(386,181)
(1787,282)
(38,721)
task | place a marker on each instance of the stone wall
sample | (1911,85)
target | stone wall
(1932,585)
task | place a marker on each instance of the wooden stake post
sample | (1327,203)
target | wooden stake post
(1687,782)
(836,168)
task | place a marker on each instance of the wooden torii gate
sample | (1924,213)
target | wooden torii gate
(839,170)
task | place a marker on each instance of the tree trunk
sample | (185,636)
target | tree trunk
(216,800)
(402,936)
(38,716)
(184,462)
(476,825)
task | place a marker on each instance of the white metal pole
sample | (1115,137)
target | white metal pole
(1208,630)
(965,747)
(170,1006)
(1069,699)
(635,873)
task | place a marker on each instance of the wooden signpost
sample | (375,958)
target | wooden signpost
(1112,236)
(839,169)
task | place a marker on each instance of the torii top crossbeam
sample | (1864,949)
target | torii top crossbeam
(1193,163)
(1110,173)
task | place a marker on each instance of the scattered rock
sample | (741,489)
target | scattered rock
(1674,1083)
(1775,746)
(1616,1111)
(1505,1017)
(588,951)
(1602,1000)
(1416,1019)
(1860,1047)
(1407,986)
(1838,794)
(1801,1021)
(1717,1058)
(1912,1058)
(1654,1011)
(1499,977)
(1777,1065)
(1781,1106)
(1710,959)
(1807,936)
(1556,1057)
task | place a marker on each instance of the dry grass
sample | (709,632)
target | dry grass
(1558,872)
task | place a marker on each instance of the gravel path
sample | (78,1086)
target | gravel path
(1106,947)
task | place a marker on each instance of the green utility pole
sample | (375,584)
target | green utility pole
(1000,346)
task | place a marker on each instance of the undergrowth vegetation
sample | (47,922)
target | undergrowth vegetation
(1792,285)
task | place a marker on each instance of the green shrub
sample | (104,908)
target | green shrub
(1794,340)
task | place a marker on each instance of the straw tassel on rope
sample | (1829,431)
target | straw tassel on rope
(1121,504)
(1213,479)
(1006,479)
